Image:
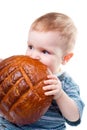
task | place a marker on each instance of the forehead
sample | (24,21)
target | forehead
(50,38)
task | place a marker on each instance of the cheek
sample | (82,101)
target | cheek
(53,64)
(27,53)
(45,60)
(49,62)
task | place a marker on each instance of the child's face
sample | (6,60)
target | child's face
(44,46)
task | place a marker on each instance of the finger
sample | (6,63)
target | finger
(49,87)
(48,93)
(52,77)
(52,81)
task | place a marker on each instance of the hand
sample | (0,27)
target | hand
(52,86)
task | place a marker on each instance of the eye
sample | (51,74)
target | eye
(45,52)
(30,47)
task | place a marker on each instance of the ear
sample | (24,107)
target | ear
(67,58)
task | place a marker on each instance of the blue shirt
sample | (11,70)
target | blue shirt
(53,118)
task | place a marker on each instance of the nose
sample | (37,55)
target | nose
(36,55)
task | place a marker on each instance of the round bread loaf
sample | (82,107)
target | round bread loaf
(22,99)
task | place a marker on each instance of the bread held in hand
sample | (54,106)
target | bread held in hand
(22,99)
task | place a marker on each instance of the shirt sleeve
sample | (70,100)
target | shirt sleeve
(73,91)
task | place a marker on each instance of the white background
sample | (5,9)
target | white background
(16,17)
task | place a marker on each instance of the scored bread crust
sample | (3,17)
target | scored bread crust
(22,99)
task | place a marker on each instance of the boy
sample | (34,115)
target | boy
(51,40)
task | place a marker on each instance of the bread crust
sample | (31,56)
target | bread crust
(22,99)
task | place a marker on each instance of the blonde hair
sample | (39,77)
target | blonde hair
(57,22)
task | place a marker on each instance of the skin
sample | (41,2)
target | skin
(45,46)
(0,60)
